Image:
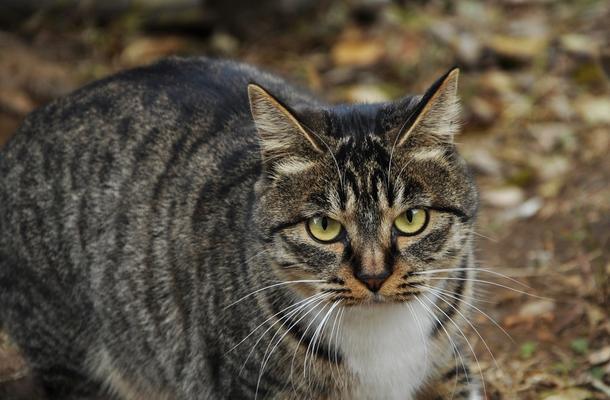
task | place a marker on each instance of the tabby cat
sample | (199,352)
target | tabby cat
(200,229)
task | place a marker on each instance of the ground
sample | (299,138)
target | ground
(536,133)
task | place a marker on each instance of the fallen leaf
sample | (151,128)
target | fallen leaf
(518,48)
(525,210)
(357,51)
(144,50)
(537,308)
(594,110)
(366,94)
(569,394)
(505,197)
(600,356)
(578,43)
(16,101)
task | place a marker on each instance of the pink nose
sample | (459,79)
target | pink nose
(373,282)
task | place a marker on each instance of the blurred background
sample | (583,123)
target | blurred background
(537,134)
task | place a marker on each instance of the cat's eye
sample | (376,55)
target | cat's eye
(324,229)
(412,221)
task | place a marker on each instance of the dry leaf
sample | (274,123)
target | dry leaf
(356,51)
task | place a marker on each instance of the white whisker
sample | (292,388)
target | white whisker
(317,337)
(267,358)
(272,286)
(474,354)
(330,341)
(433,271)
(313,320)
(284,318)
(272,317)
(422,335)
(493,284)
(486,237)
(463,296)
(493,321)
(453,345)
(256,255)
(438,295)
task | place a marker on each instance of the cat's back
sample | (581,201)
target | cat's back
(200,95)
(128,136)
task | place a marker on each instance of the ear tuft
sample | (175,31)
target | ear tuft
(437,117)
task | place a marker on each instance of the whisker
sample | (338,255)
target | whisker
(301,340)
(400,131)
(284,319)
(313,320)
(330,340)
(472,326)
(467,342)
(267,358)
(432,271)
(453,345)
(485,237)
(272,286)
(272,317)
(331,154)
(493,284)
(492,320)
(256,255)
(404,166)
(340,329)
(317,337)
(423,337)
(458,295)
(324,321)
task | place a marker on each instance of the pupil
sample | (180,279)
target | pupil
(324,223)
(410,216)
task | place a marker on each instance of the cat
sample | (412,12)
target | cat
(201,229)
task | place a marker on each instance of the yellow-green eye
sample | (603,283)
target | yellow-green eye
(324,229)
(412,221)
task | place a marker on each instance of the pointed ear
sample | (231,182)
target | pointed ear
(436,118)
(281,134)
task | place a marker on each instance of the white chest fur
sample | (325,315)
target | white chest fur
(386,348)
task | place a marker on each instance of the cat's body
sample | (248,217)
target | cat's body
(141,219)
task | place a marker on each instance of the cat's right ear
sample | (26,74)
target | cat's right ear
(282,136)
(435,118)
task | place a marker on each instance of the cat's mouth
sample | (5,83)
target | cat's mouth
(398,289)
(378,299)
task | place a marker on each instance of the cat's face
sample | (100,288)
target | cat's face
(360,198)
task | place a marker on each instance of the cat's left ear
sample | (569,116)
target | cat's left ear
(280,132)
(436,118)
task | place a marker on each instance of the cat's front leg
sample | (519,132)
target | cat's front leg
(455,383)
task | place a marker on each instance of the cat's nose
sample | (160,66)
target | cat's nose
(373,282)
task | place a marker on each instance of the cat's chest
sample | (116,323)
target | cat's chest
(387,349)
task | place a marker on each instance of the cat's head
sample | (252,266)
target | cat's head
(361,197)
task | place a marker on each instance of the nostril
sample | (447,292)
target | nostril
(373,282)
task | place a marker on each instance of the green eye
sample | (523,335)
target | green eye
(412,221)
(324,229)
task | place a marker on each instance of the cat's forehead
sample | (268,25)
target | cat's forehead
(363,163)
(366,150)
(356,122)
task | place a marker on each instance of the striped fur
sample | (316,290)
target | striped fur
(154,245)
